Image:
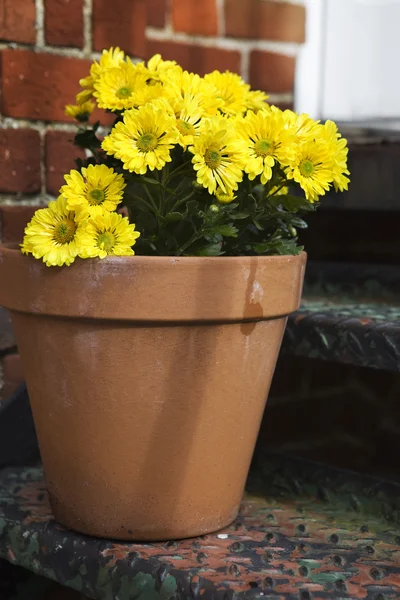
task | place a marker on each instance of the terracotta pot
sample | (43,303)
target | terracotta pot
(148,378)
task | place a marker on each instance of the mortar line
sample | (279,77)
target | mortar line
(40,41)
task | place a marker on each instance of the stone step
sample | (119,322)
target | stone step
(350,314)
(374,158)
(304,531)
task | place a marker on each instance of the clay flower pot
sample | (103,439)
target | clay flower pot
(148,378)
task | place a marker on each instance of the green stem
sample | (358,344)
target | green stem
(191,240)
(161,196)
(150,197)
(176,171)
(165,175)
(182,201)
(139,199)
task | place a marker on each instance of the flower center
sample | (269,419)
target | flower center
(64,231)
(212,158)
(96,196)
(147,142)
(262,148)
(185,128)
(106,241)
(306,168)
(124,92)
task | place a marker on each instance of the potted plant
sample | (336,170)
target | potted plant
(150,299)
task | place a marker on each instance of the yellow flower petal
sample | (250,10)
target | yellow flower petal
(144,139)
(51,234)
(95,185)
(106,234)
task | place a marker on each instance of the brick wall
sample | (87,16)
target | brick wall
(47,45)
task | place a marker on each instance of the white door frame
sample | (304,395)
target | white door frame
(348,68)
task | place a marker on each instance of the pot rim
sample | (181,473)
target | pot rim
(143,289)
(13,248)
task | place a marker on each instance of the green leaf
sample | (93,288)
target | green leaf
(281,247)
(299,223)
(209,250)
(257,224)
(259,188)
(224,230)
(191,208)
(275,201)
(294,203)
(173,217)
(149,180)
(87,139)
(239,215)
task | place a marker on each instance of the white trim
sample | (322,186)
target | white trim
(310,62)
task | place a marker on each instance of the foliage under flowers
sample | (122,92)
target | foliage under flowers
(203,166)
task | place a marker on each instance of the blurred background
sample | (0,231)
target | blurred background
(330,58)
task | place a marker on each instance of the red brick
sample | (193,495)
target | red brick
(20,161)
(157,13)
(38,85)
(195,17)
(196,58)
(120,23)
(265,20)
(13,375)
(13,221)
(17,21)
(64,22)
(60,158)
(272,72)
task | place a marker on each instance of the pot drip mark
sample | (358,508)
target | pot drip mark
(252,306)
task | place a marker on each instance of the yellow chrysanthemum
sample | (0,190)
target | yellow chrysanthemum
(312,167)
(267,142)
(106,234)
(231,89)
(143,139)
(218,155)
(51,234)
(179,85)
(115,88)
(224,197)
(96,185)
(80,112)
(188,116)
(148,93)
(158,68)
(340,151)
(109,59)
(84,96)
(256,100)
(302,125)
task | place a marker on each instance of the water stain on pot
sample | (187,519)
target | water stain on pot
(252,307)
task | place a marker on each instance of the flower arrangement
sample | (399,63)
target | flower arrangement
(198,166)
